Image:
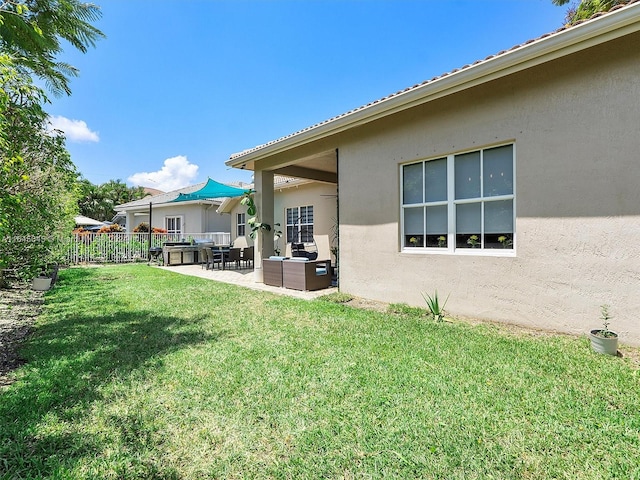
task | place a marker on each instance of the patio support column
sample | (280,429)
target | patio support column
(263,185)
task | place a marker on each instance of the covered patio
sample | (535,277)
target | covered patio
(318,164)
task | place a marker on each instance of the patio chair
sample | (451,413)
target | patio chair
(207,257)
(300,273)
(247,256)
(272,271)
(215,256)
(233,257)
(203,257)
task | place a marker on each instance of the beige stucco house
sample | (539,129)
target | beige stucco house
(180,218)
(304,211)
(511,185)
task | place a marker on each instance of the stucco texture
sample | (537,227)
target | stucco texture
(575,124)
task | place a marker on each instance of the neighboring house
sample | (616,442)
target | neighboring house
(304,211)
(182,218)
(83,221)
(510,185)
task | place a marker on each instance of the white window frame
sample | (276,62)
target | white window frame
(241,223)
(451,203)
(180,221)
(299,224)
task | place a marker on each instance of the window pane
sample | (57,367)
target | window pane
(292,215)
(437,220)
(414,221)
(498,171)
(412,183)
(498,217)
(306,233)
(290,232)
(468,218)
(435,180)
(467,175)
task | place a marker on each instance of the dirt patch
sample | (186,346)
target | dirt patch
(367,304)
(19,308)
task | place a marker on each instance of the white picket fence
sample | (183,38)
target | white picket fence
(124,247)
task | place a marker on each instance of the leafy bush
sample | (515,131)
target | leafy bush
(143,227)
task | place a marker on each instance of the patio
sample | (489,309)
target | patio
(244,278)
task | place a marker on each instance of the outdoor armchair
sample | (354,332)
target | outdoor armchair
(272,271)
(304,274)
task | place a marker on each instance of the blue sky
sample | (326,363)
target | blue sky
(177,87)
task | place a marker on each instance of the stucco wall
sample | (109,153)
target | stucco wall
(216,222)
(322,196)
(196,218)
(575,124)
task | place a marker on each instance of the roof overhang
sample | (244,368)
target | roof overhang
(603,28)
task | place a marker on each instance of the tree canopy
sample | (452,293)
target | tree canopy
(37,177)
(32,32)
(587,8)
(98,201)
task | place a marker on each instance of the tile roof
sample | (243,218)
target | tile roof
(427,82)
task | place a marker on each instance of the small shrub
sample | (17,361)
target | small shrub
(433,304)
(111,228)
(143,227)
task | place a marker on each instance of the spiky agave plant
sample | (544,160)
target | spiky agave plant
(433,305)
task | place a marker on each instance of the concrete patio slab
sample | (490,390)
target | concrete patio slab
(243,278)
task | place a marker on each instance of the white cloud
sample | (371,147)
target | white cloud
(176,173)
(74,130)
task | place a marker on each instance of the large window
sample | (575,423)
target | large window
(173,225)
(463,201)
(240,225)
(300,224)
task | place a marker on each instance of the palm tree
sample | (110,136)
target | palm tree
(98,201)
(31,32)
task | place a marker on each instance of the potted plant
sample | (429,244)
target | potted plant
(42,282)
(604,340)
(473,241)
(46,279)
(505,241)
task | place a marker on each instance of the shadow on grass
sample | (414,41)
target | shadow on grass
(81,349)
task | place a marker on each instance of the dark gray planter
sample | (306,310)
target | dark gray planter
(606,345)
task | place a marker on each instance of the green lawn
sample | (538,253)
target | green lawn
(136,372)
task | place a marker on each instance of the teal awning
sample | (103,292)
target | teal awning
(211,190)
